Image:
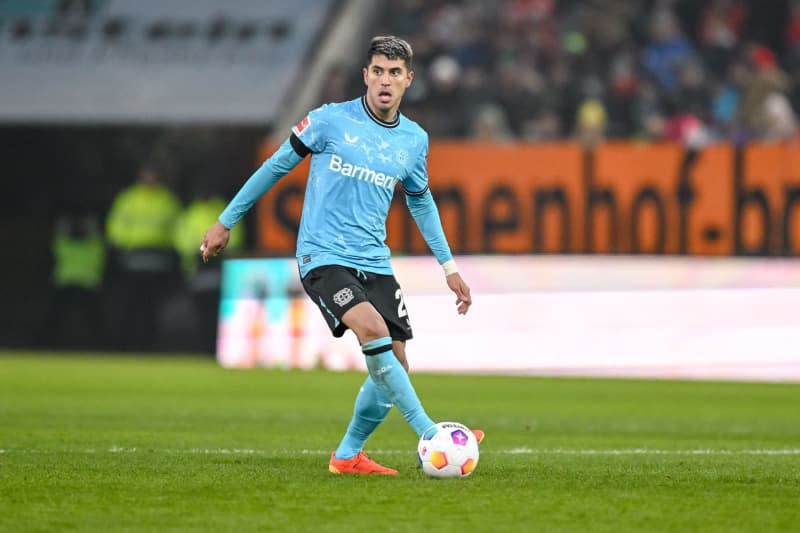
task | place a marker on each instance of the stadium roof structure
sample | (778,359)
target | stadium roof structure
(154,61)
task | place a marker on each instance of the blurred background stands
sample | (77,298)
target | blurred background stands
(590,69)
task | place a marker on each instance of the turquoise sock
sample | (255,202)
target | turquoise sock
(392,380)
(370,409)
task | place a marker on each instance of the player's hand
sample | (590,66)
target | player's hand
(214,241)
(459,286)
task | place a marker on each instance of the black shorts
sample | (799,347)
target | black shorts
(335,289)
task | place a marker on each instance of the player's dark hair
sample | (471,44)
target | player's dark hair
(392,47)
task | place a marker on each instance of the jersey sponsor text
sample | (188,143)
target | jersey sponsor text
(361,173)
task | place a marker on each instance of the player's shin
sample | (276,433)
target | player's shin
(393,381)
(370,409)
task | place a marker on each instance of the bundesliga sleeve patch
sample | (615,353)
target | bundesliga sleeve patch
(302,125)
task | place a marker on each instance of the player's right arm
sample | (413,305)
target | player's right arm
(308,136)
(285,158)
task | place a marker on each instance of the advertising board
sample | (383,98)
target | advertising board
(713,318)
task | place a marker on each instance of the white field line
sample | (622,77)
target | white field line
(506,451)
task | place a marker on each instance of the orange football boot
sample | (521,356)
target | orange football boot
(478,435)
(360,464)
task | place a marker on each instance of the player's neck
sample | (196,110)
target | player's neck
(388,117)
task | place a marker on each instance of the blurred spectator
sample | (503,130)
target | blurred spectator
(561,94)
(590,127)
(686,128)
(490,124)
(546,126)
(518,89)
(605,25)
(652,127)
(765,78)
(647,109)
(446,117)
(726,95)
(781,122)
(142,215)
(693,89)
(667,49)
(623,84)
(144,266)
(73,320)
(720,33)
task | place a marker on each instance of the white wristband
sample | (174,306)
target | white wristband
(449,267)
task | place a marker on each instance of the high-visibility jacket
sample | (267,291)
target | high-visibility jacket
(143,216)
(78,261)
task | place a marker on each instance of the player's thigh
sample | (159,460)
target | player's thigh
(366,322)
(385,294)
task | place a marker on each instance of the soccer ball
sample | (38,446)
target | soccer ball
(451,452)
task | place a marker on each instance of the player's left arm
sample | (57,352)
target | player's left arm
(426,214)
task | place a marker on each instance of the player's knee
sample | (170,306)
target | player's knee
(370,327)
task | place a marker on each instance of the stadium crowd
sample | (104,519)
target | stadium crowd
(687,70)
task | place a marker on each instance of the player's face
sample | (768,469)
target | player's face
(386,80)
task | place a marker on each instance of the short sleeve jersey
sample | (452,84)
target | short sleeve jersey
(357,161)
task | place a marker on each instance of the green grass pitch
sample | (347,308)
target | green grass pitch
(91,443)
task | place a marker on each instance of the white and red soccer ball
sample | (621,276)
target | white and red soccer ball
(452,452)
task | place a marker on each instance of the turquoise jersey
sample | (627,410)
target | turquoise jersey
(357,161)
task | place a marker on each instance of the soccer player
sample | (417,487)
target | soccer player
(360,150)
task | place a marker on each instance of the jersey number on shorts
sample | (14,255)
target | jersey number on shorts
(401,307)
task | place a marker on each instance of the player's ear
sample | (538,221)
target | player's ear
(366,75)
(409,78)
